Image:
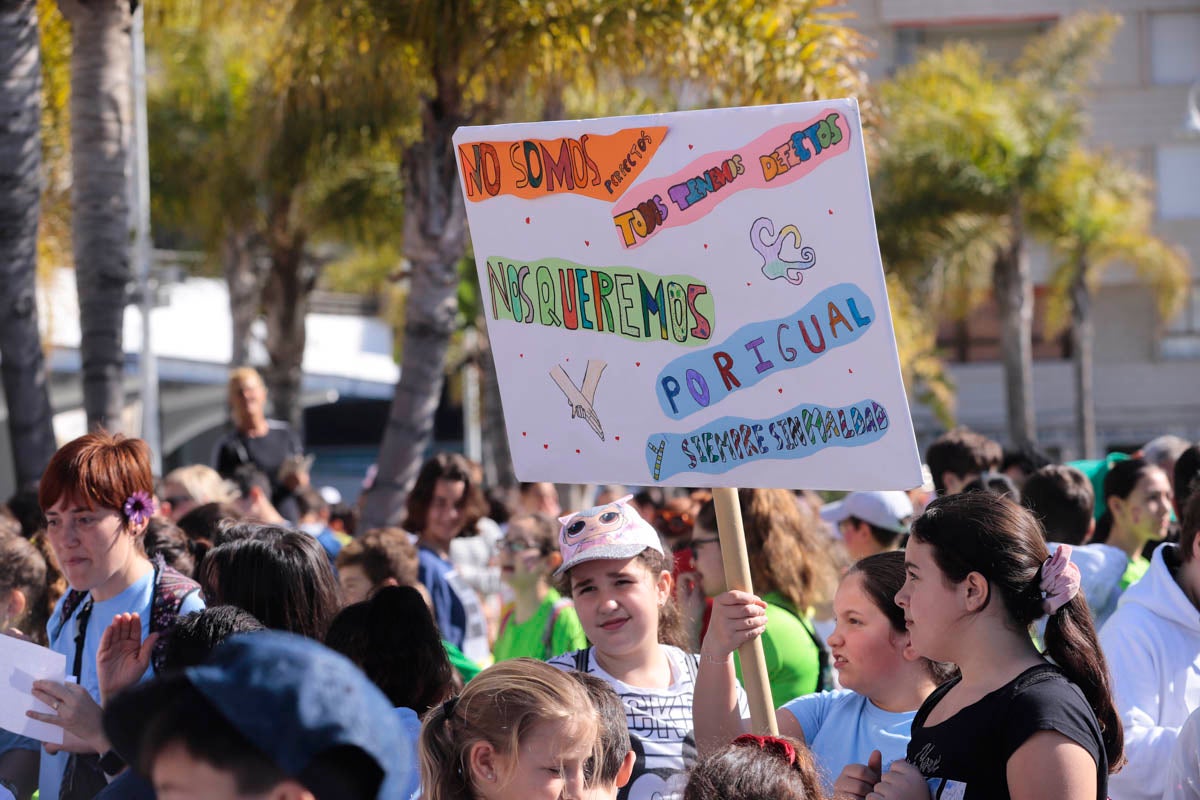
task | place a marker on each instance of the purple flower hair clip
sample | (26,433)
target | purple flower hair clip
(138,507)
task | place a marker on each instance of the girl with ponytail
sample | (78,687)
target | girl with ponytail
(1018,722)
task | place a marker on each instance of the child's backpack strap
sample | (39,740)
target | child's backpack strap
(506,615)
(582,657)
(171,588)
(548,635)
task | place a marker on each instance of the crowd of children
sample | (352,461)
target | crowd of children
(1017,629)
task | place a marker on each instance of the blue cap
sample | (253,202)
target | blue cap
(289,696)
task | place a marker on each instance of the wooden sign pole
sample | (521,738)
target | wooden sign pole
(737,576)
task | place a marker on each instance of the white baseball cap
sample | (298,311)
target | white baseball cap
(891,511)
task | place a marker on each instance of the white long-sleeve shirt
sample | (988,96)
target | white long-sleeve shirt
(1152,643)
(1183,773)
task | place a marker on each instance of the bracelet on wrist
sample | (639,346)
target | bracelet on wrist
(728,659)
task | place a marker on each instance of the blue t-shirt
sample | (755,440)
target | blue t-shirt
(412,727)
(843,727)
(136,598)
(456,607)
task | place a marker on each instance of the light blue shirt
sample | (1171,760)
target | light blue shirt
(843,727)
(412,727)
(136,598)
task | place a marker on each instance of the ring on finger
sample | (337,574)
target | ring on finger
(57,704)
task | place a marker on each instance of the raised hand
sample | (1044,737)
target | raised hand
(123,657)
(737,617)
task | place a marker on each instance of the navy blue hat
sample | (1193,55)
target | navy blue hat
(289,696)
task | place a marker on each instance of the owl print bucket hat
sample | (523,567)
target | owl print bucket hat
(615,530)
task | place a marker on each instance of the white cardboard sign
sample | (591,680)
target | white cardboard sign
(689,299)
(22,663)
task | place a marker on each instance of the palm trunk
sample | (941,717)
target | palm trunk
(434,241)
(22,365)
(101,121)
(1013,287)
(1081,348)
(497,459)
(245,279)
(285,303)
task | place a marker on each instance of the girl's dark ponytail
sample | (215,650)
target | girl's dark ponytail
(1071,641)
(981,532)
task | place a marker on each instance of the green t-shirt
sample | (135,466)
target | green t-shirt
(793,660)
(465,666)
(528,638)
(1134,572)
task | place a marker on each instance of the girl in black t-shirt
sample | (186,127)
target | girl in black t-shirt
(1014,724)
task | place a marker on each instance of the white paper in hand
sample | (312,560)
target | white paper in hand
(22,663)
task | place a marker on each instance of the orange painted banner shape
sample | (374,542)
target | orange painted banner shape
(597,166)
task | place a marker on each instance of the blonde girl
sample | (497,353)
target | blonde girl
(521,730)
(616,572)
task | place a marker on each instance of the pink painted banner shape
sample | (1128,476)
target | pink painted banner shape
(779,157)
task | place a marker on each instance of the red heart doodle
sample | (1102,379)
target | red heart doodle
(545,447)
(527,220)
(618,438)
(576,451)
(690,147)
(831,212)
(637,363)
(850,370)
(781,390)
(586,243)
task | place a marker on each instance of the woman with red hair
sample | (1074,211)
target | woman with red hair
(97,495)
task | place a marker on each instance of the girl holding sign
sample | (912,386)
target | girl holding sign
(851,730)
(616,572)
(792,572)
(1014,724)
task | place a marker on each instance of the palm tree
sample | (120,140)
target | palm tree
(469,59)
(101,120)
(22,366)
(1099,212)
(967,143)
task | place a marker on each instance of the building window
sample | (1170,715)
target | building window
(1000,40)
(1178,177)
(1182,339)
(976,338)
(1174,47)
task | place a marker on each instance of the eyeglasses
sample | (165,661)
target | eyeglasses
(676,521)
(517,545)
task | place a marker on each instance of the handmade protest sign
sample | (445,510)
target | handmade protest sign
(693,298)
(22,663)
